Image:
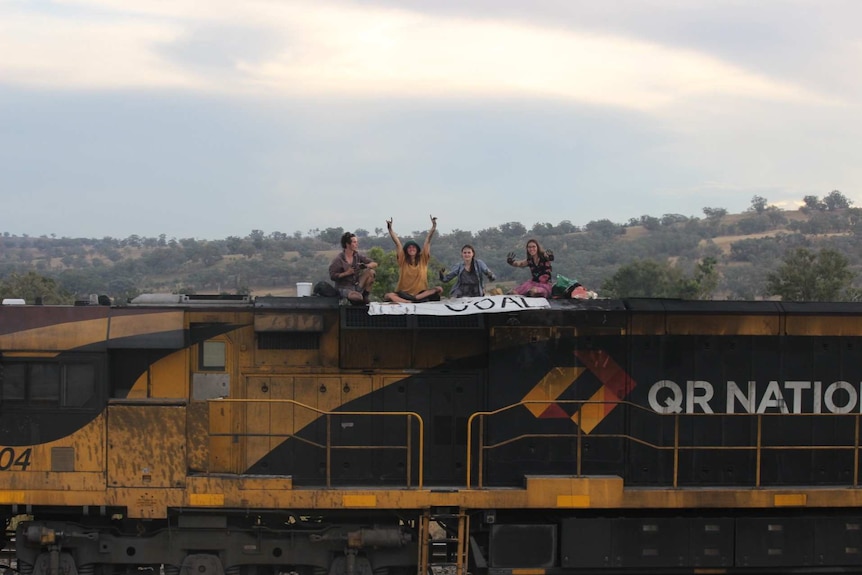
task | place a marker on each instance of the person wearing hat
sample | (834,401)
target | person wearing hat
(413,269)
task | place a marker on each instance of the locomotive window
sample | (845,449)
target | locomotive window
(13,376)
(80,384)
(44,382)
(212,356)
(48,383)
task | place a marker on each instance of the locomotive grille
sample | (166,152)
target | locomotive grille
(355,318)
(288,340)
(62,459)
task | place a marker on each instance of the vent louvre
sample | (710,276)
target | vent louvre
(288,340)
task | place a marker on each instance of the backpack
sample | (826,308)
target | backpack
(324,289)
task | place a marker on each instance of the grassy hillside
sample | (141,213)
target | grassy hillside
(747,246)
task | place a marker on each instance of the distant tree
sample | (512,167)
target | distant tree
(806,276)
(490,237)
(753,224)
(649,278)
(542,228)
(775,216)
(386,277)
(32,286)
(812,203)
(758,204)
(836,201)
(513,229)
(566,227)
(258,238)
(714,213)
(703,282)
(332,236)
(361,233)
(643,278)
(670,219)
(604,228)
(651,223)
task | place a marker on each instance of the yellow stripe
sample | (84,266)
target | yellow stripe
(790,499)
(573,500)
(359,500)
(11,497)
(207,499)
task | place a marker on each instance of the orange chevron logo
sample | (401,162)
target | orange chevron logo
(615,384)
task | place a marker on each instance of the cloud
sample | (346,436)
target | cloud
(343,51)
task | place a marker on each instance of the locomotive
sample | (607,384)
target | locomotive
(231,435)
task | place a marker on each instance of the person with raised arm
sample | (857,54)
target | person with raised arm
(539,261)
(413,269)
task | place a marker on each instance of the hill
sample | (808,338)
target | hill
(746,247)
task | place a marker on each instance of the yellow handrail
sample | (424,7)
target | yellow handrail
(758,447)
(328,446)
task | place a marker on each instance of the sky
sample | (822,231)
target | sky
(212,118)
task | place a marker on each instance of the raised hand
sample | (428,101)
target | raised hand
(549,255)
(433,220)
(442,273)
(389,224)
(510,258)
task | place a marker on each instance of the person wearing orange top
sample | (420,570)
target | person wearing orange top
(413,269)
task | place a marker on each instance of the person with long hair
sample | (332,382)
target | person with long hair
(413,269)
(539,261)
(470,273)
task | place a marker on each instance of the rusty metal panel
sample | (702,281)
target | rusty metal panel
(146,445)
(220,416)
(506,337)
(705,324)
(834,325)
(648,324)
(288,322)
(197,436)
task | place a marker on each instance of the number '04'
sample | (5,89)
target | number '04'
(10,460)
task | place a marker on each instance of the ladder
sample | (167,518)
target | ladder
(446,549)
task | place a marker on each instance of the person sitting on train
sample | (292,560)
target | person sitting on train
(352,272)
(469,273)
(539,261)
(413,269)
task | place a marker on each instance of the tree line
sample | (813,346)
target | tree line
(809,253)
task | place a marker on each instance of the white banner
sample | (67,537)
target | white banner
(461,306)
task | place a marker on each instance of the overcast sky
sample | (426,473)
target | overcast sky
(213,118)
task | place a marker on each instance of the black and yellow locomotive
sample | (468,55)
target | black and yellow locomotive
(225,435)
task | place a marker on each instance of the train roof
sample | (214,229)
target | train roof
(640,305)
